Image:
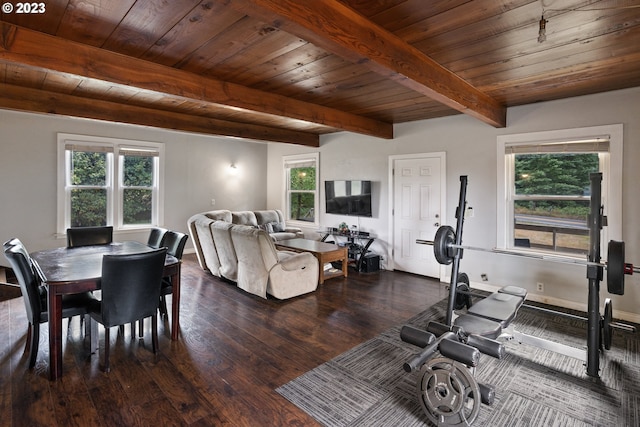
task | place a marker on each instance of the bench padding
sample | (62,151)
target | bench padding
(474,325)
(499,307)
(489,316)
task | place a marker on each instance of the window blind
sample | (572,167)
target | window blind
(596,145)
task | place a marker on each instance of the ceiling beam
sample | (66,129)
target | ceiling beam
(22,46)
(36,100)
(342,31)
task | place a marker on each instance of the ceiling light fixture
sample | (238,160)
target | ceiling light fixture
(542,32)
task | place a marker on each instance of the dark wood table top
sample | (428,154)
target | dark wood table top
(67,265)
(309,245)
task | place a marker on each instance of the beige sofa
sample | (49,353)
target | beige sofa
(239,247)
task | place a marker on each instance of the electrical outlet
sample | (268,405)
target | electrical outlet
(213,202)
(540,287)
(469,212)
(484,277)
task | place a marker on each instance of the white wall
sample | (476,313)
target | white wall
(196,171)
(471,150)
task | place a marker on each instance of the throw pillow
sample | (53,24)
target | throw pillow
(277,228)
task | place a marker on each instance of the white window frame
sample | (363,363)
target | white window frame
(610,166)
(301,158)
(117,149)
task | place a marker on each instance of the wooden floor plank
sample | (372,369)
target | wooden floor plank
(234,350)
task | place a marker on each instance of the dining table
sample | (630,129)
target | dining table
(71,270)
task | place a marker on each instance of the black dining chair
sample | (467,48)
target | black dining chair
(130,287)
(156,237)
(35,300)
(85,236)
(174,242)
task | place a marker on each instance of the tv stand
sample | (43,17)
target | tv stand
(355,249)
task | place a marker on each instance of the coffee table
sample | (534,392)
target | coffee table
(324,252)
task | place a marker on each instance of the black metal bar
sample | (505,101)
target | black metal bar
(462,205)
(594,274)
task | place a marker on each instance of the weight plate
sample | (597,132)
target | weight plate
(607,329)
(448,393)
(444,239)
(463,292)
(615,267)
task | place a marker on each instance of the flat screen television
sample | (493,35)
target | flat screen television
(348,197)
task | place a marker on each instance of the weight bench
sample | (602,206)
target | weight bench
(448,392)
(488,317)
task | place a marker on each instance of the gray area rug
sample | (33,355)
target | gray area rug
(366,386)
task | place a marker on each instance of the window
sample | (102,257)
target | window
(301,194)
(544,196)
(104,181)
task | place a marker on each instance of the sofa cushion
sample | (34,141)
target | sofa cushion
(206,245)
(219,215)
(285,235)
(244,218)
(253,271)
(270,216)
(221,232)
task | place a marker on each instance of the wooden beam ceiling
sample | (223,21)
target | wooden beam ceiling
(21,46)
(37,100)
(343,32)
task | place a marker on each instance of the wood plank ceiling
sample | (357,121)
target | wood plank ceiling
(289,70)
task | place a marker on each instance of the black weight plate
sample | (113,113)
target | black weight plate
(445,237)
(607,329)
(463,296)
(615,267)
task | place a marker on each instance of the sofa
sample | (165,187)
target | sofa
(240,247)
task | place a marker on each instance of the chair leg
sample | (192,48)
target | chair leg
(154,333)
(107,368)
(35,342)
(86,319)
(133,330)
(163,306)
(141,328)
(27,344)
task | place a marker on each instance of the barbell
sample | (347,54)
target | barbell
(445,250)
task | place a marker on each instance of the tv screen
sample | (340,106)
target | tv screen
(348,197)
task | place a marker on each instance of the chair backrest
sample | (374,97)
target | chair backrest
(27,280)
(84,236)
(175,241)
(17,243)
(156,237)
(131,286)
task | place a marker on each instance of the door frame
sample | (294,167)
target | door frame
(443,197)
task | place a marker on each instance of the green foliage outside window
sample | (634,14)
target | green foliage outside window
(302,187)
(89,195)
(88,205)
(554,175)
(137,202)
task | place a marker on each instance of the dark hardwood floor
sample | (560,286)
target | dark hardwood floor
(234,351)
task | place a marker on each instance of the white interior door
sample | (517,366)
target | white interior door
(417,212)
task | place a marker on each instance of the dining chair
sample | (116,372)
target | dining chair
(130,287)
(35,300)
(174,242)
(156,237)
(84,236)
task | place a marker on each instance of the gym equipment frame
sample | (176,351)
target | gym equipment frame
(448,249)
(447,390)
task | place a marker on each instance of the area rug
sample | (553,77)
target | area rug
(366,386)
